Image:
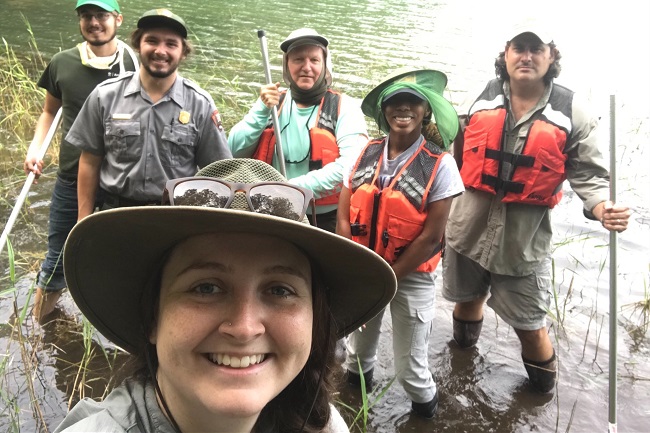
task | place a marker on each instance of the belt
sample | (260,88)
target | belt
(113,201)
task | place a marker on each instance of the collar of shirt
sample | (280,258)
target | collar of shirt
(540,104)
(176,93)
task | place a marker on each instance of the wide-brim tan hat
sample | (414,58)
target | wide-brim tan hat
(111,257)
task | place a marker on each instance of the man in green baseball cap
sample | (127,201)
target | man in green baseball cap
(107,5)
(68,79)
(395,201)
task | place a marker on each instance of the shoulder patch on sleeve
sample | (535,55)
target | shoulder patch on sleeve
(216,118)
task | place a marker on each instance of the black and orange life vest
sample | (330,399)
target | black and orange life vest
(539,170)
(323,149)
(388,220)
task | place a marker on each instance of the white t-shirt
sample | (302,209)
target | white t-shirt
(447,183)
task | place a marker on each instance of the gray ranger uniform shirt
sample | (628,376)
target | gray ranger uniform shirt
(145,144)
(132,408)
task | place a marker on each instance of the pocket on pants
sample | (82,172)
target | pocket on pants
(422,330)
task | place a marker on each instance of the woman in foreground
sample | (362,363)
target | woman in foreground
(230,302)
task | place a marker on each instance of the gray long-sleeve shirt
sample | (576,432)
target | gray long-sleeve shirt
(132,408)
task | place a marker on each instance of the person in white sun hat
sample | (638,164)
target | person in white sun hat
(525,136)
(229,301)
(322,130)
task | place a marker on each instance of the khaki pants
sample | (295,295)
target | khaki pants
(412,311)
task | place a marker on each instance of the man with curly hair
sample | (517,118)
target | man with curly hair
(525,135)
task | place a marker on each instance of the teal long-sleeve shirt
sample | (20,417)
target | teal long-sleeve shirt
(351,137)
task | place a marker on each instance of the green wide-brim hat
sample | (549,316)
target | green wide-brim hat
(428,83)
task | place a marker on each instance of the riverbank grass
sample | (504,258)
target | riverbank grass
(21,99)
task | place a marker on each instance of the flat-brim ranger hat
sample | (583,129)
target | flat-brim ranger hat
(427,84)
(111,257)
(156,18)
(107,5)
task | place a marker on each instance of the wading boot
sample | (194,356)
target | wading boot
(426,410)
(466,332)
(542,374)
(354,379)
(44,304)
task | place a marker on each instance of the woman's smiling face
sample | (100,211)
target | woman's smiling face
(404,113)
(234,325)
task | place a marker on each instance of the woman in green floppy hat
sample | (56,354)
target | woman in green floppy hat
(230,302)
(395,201)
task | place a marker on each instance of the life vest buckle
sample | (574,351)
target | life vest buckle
(315,164)
(357,229)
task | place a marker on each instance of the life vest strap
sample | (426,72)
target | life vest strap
(502,185)
(515,159)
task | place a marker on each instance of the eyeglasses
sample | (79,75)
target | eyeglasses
(99,16)
(270,198)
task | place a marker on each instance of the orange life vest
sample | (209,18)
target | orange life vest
(323,149)
(388,220)
(539,170)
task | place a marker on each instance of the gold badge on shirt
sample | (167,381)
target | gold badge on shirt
(184,117)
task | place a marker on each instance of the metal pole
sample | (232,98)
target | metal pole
(613,306)
(30,179)
(274,111)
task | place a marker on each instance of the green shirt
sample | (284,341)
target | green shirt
(67,79)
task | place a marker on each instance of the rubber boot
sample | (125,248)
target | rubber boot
(355,380)
(426,410)
(542,374)
(466,332)
(44,304)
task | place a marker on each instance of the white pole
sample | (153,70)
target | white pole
(30,179)
(613,305)
(274,111)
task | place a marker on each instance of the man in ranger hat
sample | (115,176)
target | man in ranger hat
(321,130)
(138,131)
(525,136)
(395,201)
(68,79)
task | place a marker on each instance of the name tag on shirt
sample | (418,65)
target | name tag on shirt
(118,116)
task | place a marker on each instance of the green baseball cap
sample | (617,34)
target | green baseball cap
(107,5)
(428,85)
(162,18)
